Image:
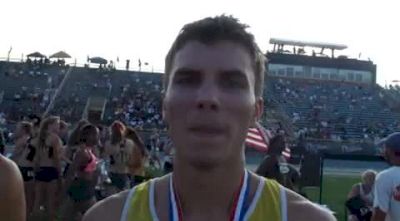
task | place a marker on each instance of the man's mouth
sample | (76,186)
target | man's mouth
(207,130)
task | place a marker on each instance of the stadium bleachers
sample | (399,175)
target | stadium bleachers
(132,97)
(328,109)
(27,88)
(316,109)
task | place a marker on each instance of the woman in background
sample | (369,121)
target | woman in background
(119,150)
(23,156)
(82,176)
(47,166)
(139,157)
(72,145)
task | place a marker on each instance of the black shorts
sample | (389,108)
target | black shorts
(27,173)
(47,174)
(119,180)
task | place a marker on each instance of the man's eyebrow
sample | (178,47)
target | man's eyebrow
(234,73)
(186,71)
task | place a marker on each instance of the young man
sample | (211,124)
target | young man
(387,183)
(213,93)
(12,198)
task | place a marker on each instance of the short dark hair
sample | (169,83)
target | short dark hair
(212,30)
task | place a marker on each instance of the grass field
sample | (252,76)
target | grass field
(334,192)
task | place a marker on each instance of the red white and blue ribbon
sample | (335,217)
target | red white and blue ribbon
(238,210)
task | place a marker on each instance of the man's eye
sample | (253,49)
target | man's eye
(186,80)
(234,83)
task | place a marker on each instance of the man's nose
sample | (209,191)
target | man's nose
(208,97)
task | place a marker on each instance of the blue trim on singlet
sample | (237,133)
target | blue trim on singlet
(245,206)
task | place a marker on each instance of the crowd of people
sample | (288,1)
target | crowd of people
(334,110)
(27,88)
(62,171)
(138,106)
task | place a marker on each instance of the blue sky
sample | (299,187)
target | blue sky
(131,29)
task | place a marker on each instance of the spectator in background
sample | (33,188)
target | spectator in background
(275,165)
(139,157)
(72,145)
(12,200)
(155,149)
(47,166)
(127,64)
(82,176)
(168,157)
(35,120)
(361,197)
(23,155)
(119,150)
(387,183)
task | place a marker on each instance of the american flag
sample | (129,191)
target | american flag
(258,138)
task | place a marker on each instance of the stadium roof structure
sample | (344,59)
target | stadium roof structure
(280,41)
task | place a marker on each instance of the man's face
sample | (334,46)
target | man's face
(210,103)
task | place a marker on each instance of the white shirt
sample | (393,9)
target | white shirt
(387,193)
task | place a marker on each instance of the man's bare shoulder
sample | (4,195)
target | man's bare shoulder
(109,208)
(12,199)
(299,209)
(10,170)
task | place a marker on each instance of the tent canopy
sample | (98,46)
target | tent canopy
(36,55)
(60,54)
(98,60)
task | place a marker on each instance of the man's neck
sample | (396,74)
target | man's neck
(207,191)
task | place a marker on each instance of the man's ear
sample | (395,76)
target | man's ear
(258,111)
